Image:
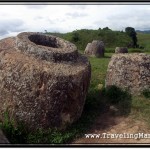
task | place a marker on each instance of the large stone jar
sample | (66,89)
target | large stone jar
(43,80)
(130,72)
(96,49)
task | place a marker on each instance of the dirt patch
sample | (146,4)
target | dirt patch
(111,123)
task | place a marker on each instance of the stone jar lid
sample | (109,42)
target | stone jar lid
(46,47)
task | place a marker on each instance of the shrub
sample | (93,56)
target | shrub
(121,99)
(14,134)
(146,93)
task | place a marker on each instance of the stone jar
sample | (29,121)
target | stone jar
(96,48)
(129,72)
(43,80)
(121,50)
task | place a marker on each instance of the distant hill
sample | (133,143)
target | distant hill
(145,31)
(84,36)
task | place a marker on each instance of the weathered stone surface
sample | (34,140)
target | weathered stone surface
(88,49)
(96,48)
(43,80)
(121,50)
(3,139)
(129,71)
(7,43)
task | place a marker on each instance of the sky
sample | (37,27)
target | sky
(66,18)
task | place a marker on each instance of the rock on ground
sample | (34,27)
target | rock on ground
(130,72)
(96,48)
(43,80)
(121,50)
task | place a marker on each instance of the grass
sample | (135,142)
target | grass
(146,93)
(140,108)
(143,40)
(99,68)
(119,98)
(14,134)
(97,101)
(130,50)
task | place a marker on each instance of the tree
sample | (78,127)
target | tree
(106,29)
(75,37)
(131,33)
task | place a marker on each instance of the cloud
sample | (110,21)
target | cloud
(78,7)
(11,25)
(43,18)
(36,6)
(3,32)
(39,17)
(66,18)
(127,15)
(76,14)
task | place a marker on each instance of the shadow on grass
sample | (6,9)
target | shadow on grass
(117,103)
(120,99)
(146,93)
(107,56)
(103,107)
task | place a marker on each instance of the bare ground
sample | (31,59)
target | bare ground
(111,123)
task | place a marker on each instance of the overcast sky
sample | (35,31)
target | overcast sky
(66,18)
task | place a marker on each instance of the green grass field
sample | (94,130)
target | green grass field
(144,40)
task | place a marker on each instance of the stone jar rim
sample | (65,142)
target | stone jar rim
(46,47)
